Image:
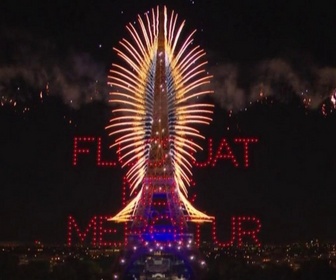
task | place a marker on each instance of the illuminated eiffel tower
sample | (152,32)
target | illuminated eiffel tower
(158,90)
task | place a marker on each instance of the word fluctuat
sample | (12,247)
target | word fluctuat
(82,145)
(244,229)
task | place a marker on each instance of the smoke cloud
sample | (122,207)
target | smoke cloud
(29,66)
(278,78)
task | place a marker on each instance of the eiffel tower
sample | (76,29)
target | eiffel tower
(157,90)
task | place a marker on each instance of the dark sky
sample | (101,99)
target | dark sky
(54,60)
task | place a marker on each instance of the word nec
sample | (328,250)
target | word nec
(101,232)
(89,145)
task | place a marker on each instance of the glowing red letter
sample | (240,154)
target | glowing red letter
(99,159)
(77,150)
(228,155)
(208,160)
(243,232)
(103,230)
(82,235)
(246,141)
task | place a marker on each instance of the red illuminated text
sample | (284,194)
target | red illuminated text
(224,151)
(98,232)
(98,229)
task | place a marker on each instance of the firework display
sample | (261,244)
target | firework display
(158,87)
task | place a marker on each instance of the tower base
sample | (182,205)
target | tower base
(161,262)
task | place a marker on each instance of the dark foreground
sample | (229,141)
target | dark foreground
(75,266)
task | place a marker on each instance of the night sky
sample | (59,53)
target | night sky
(54,61)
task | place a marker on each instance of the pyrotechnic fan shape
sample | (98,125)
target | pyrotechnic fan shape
(133,89)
